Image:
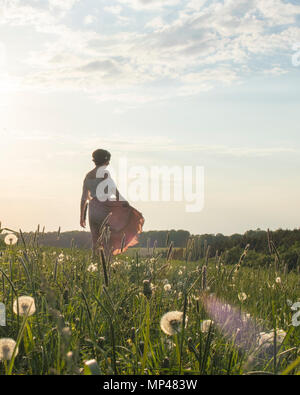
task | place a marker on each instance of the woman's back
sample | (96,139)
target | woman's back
(94,178)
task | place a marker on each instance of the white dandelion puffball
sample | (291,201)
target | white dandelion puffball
(10,239)
(167,287)
(115,264)
(278,280)
(92,268)
(7,347)
(171,322)
(205,325)
(242,296)
(26,306)
(266,339)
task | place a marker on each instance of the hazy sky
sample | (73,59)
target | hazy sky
(160,82)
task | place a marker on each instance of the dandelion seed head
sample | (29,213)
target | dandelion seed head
(10,239)
(92,268)
(266,339)
(7,347)
(26,306)
(167,287)
(115,264)
(242,296)
(205,325)
(171,322)
(278,280)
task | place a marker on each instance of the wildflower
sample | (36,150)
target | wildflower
(7,347)
(25,304)
(69,355)
(180,273)
(93,367)
(170,344)
(92,268)
(61,258)
(66,331)
(167,287)
(242,296)
(10,239)
(205,325)
(115,264)
(278,280)
(171,322)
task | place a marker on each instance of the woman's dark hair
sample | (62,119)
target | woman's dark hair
(100,157)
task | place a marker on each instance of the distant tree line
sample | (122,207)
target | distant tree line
(287,243)
(257,239)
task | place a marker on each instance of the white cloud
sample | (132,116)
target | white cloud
(114,9)
(64,5)
(149,4)
(275,71)
(205,44)
(223,75)
(89,19)
(164,144)
(156,23)
(277,11)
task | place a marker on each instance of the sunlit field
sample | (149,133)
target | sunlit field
(105,315)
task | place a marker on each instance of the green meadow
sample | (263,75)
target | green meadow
(103,314)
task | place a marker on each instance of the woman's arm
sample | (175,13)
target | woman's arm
(83,205)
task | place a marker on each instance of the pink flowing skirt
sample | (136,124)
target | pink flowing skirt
(125,223)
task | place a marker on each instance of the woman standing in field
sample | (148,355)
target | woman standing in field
(106,203)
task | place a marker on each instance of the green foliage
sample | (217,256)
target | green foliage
(232,256)
(291,258)
(87,324)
